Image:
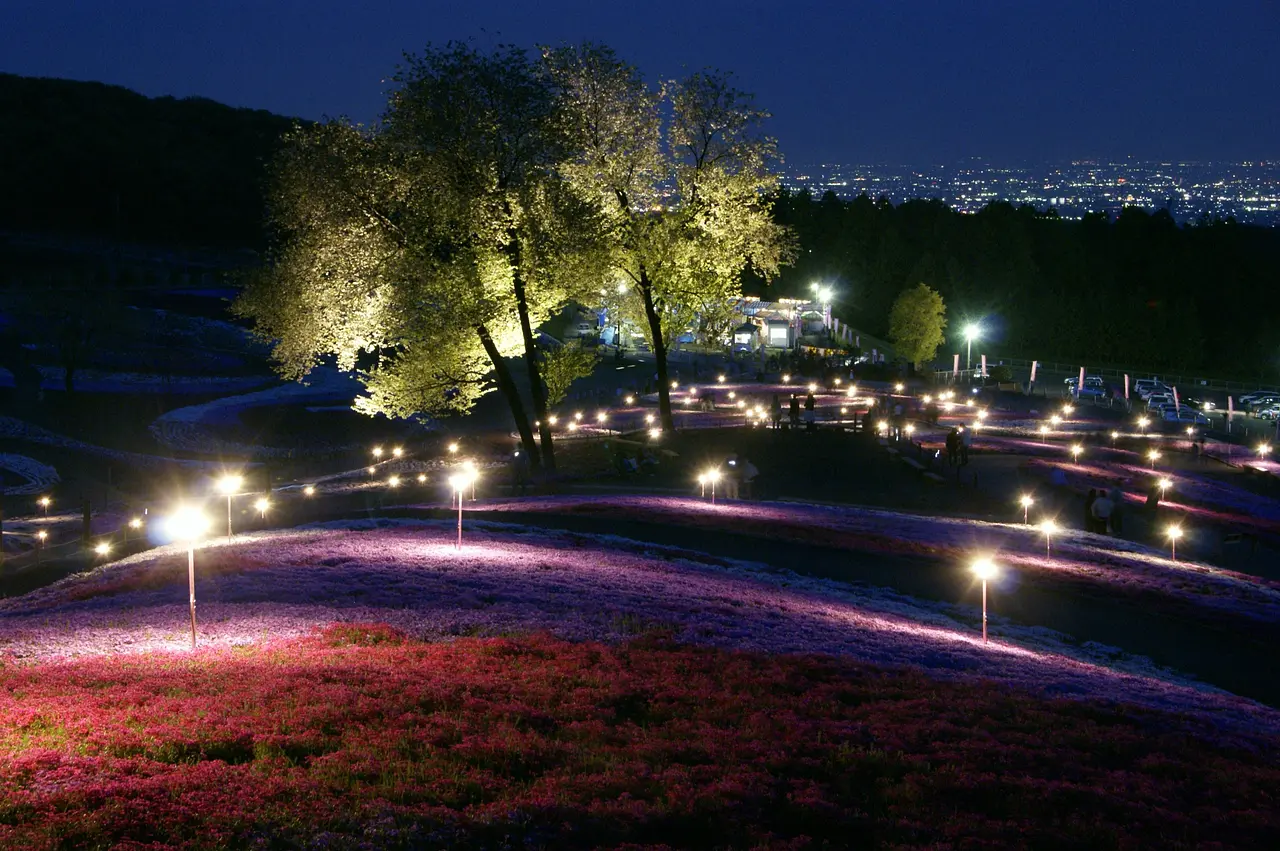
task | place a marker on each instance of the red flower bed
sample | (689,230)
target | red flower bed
(361,738)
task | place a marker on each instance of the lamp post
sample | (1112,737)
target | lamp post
(1143,422)
(713,476)
(1263,450)
(984,569)
(1048,527)
(1075,453)
(1164,487)
(377,452)
(397,452)
(1044,432)
(261,506)
(103,549)
(702,481)
(44,503)
(972,331)
(1026,501)
(187,525)
(230,485)
(1152,456)
(41,536)
(1174,533)
(459,483)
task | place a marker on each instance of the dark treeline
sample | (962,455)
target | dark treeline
(103,161)
(1140,290)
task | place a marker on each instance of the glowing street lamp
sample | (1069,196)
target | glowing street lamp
(910,429)
(1164,487)
(1026,502)
(377,452)
(1049,528)
(984,569)
(188,525)
(1191,431)
(261,505)
(1115,435)
(786,378)
(813,388)
(1174,533)
(230,485)
(394,481)
(309,490)
(103,548)
(601,416)
(397,452)
(899,387)
(971,332)
(1068,409)
(41,537)
(1055,419)
(982,415)
(1044,432)
(1152,456)
(1264,449)
(1143,422)
(135,524)
(713,476)
(44,503)
(577,416)
(655,433)
(631,400)
(1075,453)
(720,379)
(648,418)
(422,478)
(459,483)
(702,481)
(453,447)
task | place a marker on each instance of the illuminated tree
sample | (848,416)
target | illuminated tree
(423,253)
(683,179)
(916,324)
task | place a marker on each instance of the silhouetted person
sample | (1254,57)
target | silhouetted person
(1088,509)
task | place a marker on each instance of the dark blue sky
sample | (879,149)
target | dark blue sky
(847,80)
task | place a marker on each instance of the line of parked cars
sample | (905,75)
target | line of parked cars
(1264,403)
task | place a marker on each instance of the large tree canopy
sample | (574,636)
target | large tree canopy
(916,324)
(425,251)
(683,178)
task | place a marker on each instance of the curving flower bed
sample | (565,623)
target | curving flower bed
(1080,560)
(358,737)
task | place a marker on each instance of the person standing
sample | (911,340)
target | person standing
(966,440)
(953,446)
(776,412)
(795,411)
(810,414)
(1101,511)
(1088,509)
(1117,510)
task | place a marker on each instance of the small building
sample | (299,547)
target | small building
(780,334)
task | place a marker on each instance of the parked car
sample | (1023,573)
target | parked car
(1155,400)
(1247,398)
(1270,413)
(1263,400)
(1186,415)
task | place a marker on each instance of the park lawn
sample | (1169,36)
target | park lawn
(359,737)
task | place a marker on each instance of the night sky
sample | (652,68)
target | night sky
(847,80)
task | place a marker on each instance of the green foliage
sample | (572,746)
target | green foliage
(163,170)
(683,178)
(1139,292)
(563,365)
(916,324)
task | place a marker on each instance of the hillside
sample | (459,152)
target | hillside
(102,161)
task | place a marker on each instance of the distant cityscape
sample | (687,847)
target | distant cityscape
(1247,191)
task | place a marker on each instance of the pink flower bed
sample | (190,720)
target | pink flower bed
(359,737)
(576,587)
(1093,562)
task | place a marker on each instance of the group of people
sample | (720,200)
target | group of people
(1102,511)
(959,439)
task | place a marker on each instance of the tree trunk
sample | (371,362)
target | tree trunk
(507,386)
(659,352)
(537,391)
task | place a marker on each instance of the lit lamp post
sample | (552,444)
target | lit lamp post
(187,525)
(453,447)
(1068,410)
(1048,527)
(702,481)
(397,452)
(1174,533)
(1152,456)
(44,503)
(1263,450)
(984,569)
(135,524)
(971,332)
(1026,501)
(309,490)
(459,482)
(1075,453)
(1164,487)
(713,476)
(1044,433)
(103,549)
(377,452)
(1115,435)
(230,485)
(1143,422)
(41,537)
(1055,419)
(261,506)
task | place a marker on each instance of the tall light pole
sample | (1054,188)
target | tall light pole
(972,331)
(1026,501)
(230,485)
(459,483)
(44,503)
(187,525)
(713,476)
(1048,527)
(984,569)
(1174,533)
